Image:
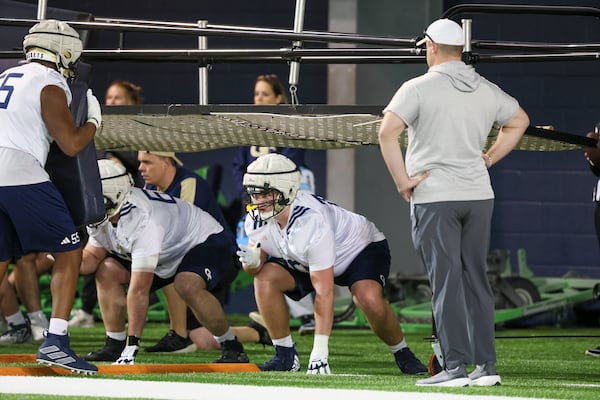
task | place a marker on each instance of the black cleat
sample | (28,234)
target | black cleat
(110,352)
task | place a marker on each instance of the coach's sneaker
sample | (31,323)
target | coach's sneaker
(232,351)
(55,351)
(172,343)
(456,377)
(286,359)
(593,352)
(485,375)
(110,352)
(409,363)
(17,334)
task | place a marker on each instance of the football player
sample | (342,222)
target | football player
(300,243)
(152,239)
(34,111)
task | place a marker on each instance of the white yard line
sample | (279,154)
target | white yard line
(582,384)
(115,388)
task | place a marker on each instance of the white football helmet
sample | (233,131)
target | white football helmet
(56,42)
(116,186)
(270,175)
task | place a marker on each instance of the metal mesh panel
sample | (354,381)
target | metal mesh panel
(197,128)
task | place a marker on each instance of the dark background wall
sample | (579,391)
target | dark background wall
(543,199)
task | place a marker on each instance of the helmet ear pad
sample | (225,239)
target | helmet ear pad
(117,186)
(54,41)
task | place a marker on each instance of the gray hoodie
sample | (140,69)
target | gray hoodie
(449,112)
(462,76)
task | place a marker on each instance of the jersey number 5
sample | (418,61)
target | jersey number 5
(6,90)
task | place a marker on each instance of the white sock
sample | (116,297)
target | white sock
(284,342)
(121,336)
(399,346)
(226,336)
(16,319)
(58,326)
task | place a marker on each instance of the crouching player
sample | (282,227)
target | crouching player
(300,243)
(150,240)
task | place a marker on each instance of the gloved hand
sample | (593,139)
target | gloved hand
(318,357)
(249,256)
(318,365)
(128,355)
(94,113)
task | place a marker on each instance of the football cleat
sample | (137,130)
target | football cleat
(55,351)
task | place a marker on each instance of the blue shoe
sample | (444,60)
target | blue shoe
(409,363)
(55,351)
(286,359)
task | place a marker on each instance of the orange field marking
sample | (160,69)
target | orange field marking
(127,369)
(16,358)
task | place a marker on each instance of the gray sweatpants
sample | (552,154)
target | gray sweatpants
(452,239)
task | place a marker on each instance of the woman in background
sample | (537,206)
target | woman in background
(268,90)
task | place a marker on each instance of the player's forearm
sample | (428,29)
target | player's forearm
(137,309)
(324,312)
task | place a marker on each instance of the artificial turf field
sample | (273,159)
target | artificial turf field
(554,368)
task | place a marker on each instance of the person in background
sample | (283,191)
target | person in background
(592,155)
(119,93)
(23,283)
(449,113)
(268,90)
(33,215)
(300,243)
(124,93)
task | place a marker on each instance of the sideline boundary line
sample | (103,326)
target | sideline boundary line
(115,388)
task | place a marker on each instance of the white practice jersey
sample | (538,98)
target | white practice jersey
(319,234)
(154,223)
(21,125)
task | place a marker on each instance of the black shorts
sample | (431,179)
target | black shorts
(372,263)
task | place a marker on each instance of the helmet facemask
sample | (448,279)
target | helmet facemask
(263,203)
(271,183)
(55,42)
